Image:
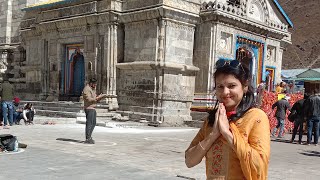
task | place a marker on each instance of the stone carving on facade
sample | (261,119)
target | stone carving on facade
(73,30)
(225,43)
(27,23)
(177,25)
(255,11)
(225,7)
(140,16)
(65,12)
(183,5)
(141,24)
(271,53)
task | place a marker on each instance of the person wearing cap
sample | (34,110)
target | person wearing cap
(90,101)
(282,107)
(17,110)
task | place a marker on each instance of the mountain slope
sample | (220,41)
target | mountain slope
(305,49)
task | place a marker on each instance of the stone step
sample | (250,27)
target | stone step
(67,104)
(57,120)
(67,109)
(50,113)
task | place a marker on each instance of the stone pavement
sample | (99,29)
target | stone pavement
(129,153)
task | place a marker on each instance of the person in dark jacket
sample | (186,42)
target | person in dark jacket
(299,119)
(282,107)
(312,114)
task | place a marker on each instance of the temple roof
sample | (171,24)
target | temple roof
(301,74)
(286,17)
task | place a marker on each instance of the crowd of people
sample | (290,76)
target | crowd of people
(11,111)
(306,110)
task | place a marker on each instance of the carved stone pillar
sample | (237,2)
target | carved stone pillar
(110,62)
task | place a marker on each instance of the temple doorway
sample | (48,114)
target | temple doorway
(270,73)
(72,73)
(246,57)
(250,53)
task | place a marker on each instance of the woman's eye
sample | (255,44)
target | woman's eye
(220,87)
(231,86)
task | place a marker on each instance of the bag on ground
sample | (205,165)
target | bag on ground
(8,142)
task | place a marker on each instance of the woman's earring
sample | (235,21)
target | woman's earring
(245,96)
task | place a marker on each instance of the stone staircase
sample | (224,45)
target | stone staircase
(67,112)
(69,109)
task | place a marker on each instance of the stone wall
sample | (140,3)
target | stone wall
(177,96)
(203,56)
(136,4)
(135,90)
(179,47)
(140,41)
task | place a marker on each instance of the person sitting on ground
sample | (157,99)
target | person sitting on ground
(17,114)
(27,114)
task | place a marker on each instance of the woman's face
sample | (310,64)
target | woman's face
(229,91)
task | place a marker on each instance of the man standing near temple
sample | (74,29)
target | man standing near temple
(90,102)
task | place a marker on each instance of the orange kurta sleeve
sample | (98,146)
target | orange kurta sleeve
(200,135)
(253,153)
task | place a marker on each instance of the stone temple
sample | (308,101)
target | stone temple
(152,57)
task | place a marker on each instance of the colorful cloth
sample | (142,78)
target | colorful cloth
(249,159)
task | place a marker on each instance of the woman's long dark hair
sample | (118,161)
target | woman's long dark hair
(243,75)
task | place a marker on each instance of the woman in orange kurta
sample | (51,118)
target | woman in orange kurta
(235,138)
